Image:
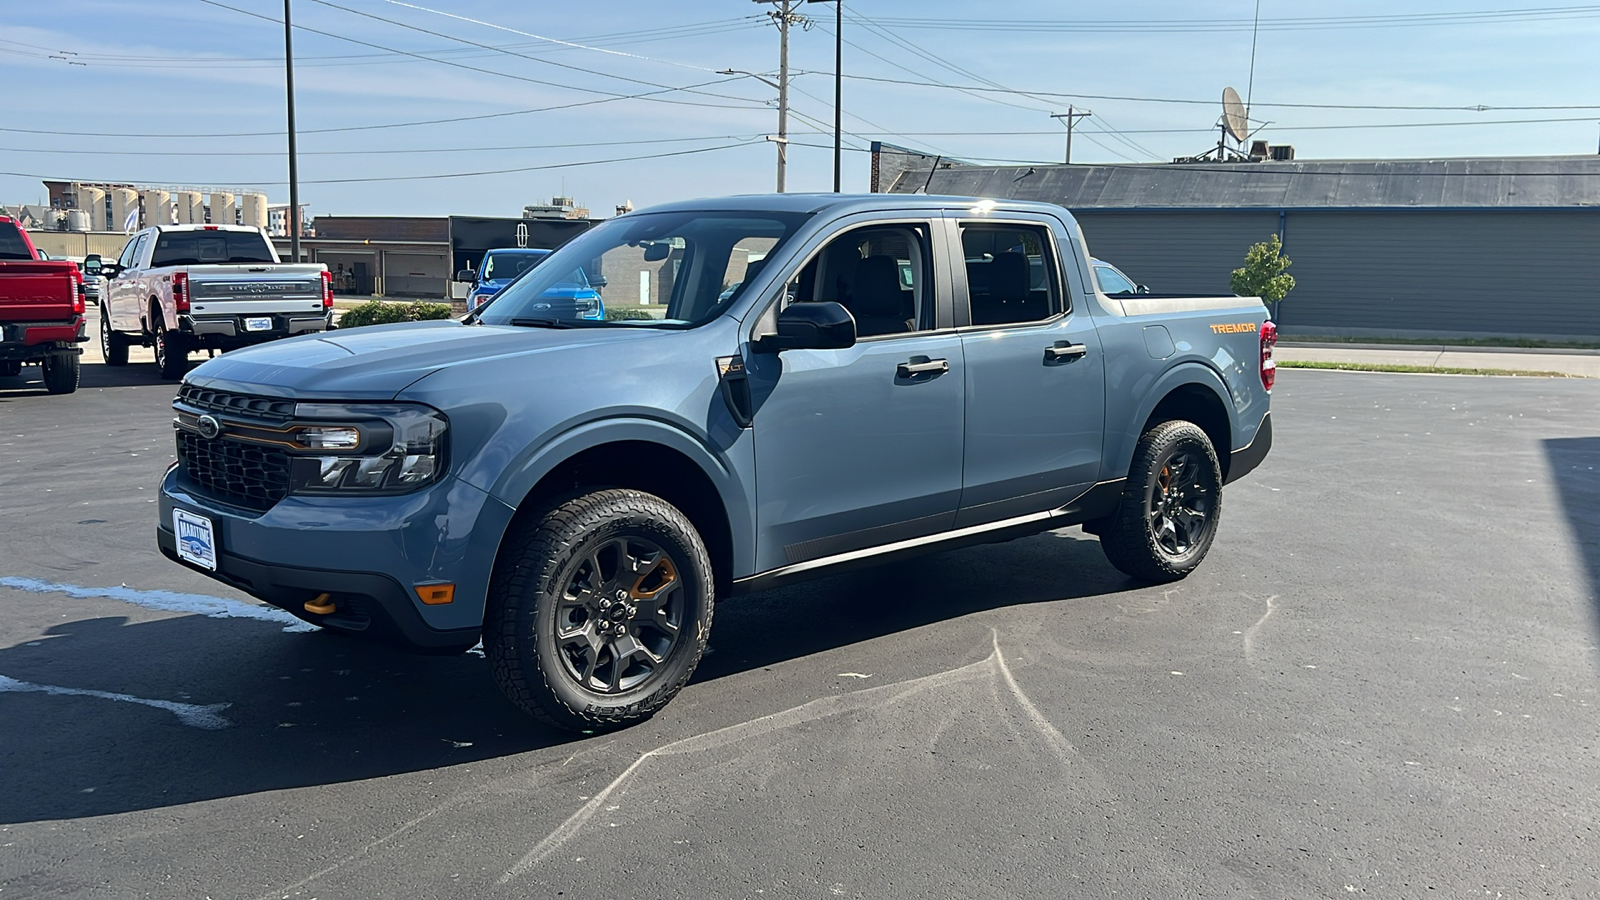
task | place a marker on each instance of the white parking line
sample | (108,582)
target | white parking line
(206,717)
(166,601)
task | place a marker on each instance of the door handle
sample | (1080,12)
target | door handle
(922,366)
(1065,351)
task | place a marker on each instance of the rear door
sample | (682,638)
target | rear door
(861,447)
(1035,377)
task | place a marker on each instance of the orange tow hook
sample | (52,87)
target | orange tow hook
(321,606)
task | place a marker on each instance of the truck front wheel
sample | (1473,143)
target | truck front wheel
(1168,514)
(61,372)
(599,610)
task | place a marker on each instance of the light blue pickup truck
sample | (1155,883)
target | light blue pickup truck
(836,381)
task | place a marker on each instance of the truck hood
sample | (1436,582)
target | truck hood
(378,362)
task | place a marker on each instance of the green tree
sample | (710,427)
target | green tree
(1263,274)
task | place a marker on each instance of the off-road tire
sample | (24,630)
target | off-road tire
(536,566)
(172,354)
(113,344)
(60,371)
(1130,536)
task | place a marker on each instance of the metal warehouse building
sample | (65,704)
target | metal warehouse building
(1401,248)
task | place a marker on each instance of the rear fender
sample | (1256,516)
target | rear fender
(1122,436)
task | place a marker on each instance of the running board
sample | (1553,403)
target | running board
(1094,503)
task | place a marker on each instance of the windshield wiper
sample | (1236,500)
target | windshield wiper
(525,322)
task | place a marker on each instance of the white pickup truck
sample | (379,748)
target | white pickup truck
(179,288)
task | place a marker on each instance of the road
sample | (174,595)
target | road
(1382,682)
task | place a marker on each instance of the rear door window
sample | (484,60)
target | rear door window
(1011,274)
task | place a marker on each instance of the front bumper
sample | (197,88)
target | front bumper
(368,553)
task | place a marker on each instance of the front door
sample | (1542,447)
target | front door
(861,447)
(1035,389)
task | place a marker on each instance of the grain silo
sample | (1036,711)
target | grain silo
(93,201)
(156,207)
(222,212)
(191,208)
(253,210)
(124,210)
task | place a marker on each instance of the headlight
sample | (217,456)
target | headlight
(388,448)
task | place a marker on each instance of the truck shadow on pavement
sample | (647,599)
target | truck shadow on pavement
(105,716)
(1575,466)
(94,375)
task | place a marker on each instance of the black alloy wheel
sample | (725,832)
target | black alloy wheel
(172,358)
(619,617)
(113,345)
(1167,518)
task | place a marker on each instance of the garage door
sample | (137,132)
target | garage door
(415,274)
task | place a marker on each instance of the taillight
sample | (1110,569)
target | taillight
(77,299)
(180,291)
(327,289)
(1269,340)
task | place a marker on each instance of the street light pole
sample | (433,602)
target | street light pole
(838,86)
(294,168)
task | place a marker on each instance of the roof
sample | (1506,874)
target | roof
(834,203)
(1548,182)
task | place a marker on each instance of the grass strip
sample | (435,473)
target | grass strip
(1445,342)
(1422,370)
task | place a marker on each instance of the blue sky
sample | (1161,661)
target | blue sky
(174,70)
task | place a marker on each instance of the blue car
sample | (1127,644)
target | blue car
(501,267)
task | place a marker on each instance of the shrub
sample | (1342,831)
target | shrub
(380,312)
(1263,275)
(626,314)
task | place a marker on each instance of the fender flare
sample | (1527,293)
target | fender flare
(519,478)
(1123,437)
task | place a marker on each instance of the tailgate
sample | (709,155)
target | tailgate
(49,293)
(246,293)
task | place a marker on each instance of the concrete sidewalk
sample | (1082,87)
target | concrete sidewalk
(1581,363)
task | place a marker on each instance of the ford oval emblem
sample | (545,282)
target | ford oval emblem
(209,427)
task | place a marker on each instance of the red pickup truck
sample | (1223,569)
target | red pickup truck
(41,311)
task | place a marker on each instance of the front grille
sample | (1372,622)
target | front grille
(226,402)
(246,475)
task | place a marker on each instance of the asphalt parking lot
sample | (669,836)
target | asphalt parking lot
(1382,682)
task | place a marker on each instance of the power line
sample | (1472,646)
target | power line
(567,165)
(386,151)
(1134,26)
(347,128)
(445,62)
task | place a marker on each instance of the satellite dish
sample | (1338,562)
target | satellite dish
(1234,120)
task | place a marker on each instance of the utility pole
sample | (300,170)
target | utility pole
(784,15)
(294,168)
(838,85)
(1071,115)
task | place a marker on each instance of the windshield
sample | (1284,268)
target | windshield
(193,248)
(501,266)
(677,269)
(11,245)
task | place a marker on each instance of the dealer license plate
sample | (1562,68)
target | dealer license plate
(258,323)
(197,541)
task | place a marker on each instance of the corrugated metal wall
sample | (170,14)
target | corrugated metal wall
(1176,252)
(1491,272)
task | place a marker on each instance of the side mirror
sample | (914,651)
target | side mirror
(1141,289)
(464,275)
(812,326)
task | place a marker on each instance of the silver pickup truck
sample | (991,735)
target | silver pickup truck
(179,288)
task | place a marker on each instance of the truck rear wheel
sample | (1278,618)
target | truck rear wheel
(599,610)
(113,344)
(172,355)
(1167,518)
(61,372)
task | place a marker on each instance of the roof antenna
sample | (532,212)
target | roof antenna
(1250,86)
